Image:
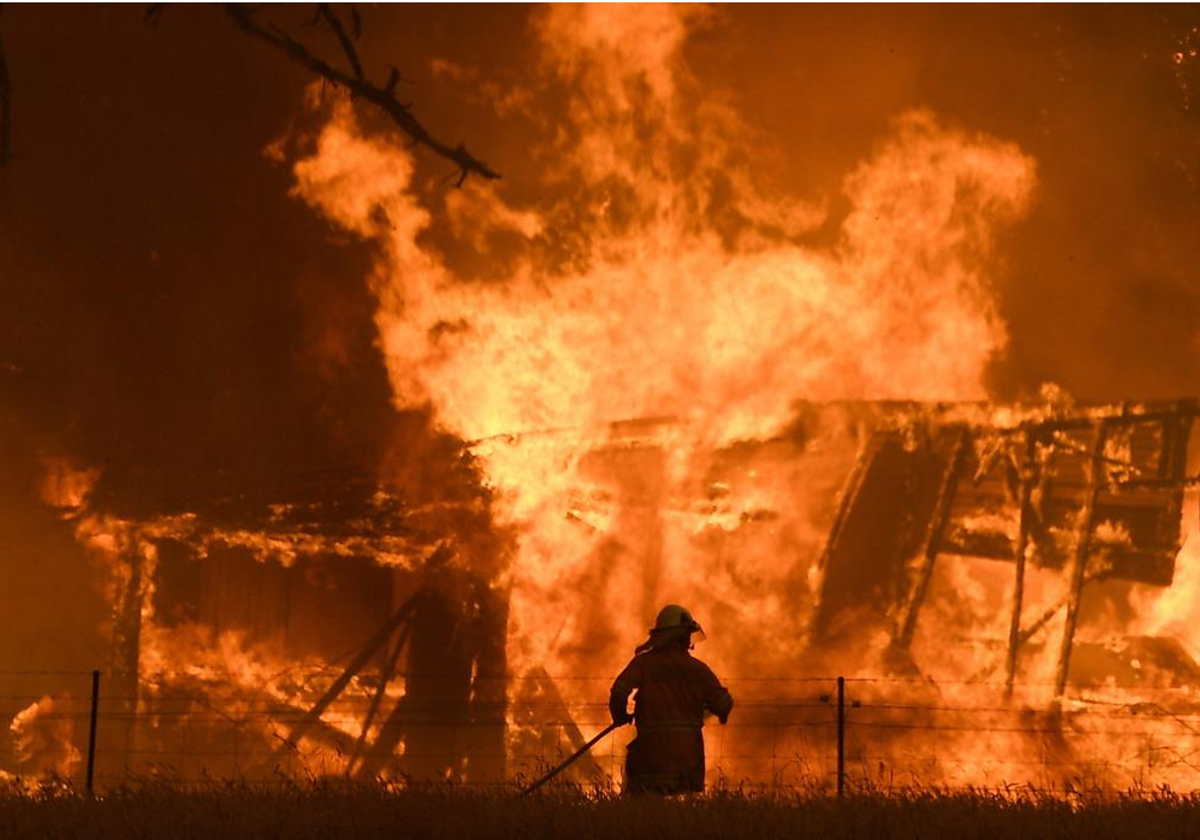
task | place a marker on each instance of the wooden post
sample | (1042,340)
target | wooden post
(841,738)
(1083,541)
(933,536)
(91,758)
(1025,513)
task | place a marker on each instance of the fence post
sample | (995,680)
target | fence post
(91,759)
(841,738)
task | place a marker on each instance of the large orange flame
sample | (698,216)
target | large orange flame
(661,309)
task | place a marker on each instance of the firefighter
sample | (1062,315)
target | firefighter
(674,692)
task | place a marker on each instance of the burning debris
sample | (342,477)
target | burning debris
(344,632)
(1097,495)
(319,631)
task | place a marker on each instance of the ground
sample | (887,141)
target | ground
(331,811)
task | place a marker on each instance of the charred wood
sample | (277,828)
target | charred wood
(385,677)
(364,656)
(431,719)
(126,682)
(929,549)
(1083,545)
(1026,516)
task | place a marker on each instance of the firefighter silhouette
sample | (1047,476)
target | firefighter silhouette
(674,692)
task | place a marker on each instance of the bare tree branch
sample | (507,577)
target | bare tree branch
(382,97)
(5,105)
(343,38)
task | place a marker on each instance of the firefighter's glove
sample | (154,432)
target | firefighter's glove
(620,718)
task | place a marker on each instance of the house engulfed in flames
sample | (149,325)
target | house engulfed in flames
(330,628)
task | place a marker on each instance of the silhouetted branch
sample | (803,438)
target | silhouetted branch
(5,104)
(343,38)
(359,86)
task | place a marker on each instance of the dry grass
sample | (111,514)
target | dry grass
(322,810)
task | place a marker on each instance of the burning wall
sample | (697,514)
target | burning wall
(864,541)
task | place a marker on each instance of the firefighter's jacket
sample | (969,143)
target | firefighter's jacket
(674,691)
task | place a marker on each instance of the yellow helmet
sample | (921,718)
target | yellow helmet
(674,617)
(673,625)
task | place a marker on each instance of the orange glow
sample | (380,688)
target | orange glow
(667,371)
(660,315)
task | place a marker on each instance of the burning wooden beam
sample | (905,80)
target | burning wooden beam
(1083,545)
(933,537)
(1025,513)
(983,504)
(385,677)
(364,656)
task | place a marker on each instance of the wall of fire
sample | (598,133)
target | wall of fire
(855,520)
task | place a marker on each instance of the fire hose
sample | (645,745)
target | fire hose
(579,752)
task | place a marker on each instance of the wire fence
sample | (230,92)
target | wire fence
(785,733)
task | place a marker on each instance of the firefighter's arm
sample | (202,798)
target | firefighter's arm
(726,706)
(720,701)
(618,696)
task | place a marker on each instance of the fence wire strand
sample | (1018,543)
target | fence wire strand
(781,735)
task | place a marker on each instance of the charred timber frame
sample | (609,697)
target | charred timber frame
(849,494)
(484,723)
(372,759)
(126,655)
(1028,479)
(487,752)
(1029,632)
(849,497)
(1059,483)
(368,652)
(933,536)
(385,677)
(1083,540)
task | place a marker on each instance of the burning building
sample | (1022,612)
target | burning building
(326,626)
(665,359)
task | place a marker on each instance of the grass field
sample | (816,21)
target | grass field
(329,811)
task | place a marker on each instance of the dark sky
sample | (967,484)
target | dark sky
(167,310)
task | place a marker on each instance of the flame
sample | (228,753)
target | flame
(1175,611)
(64,485)
(44,737)
(664,318)
(635,371)
(630,296)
